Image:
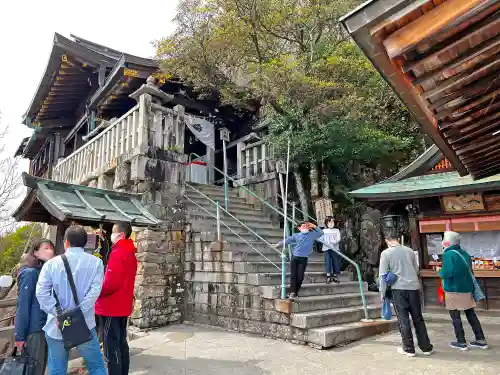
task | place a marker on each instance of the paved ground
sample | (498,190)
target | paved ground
(192,350)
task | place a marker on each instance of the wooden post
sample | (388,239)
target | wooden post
(61,229)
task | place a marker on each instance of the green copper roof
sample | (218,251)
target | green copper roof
(51,201)
(428,185)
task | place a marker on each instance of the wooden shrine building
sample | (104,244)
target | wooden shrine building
(434,198)
(441,57)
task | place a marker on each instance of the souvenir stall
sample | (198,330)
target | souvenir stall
(433,199)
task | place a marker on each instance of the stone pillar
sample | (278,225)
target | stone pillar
(159,287)
(158,175)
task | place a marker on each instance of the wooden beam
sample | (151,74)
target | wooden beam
(474,126)
(473,57)
(486,171)
(427,25)
(480,87)
(485,27)
(478,144)
(492,109)
(489,152)
(468,135)
(460,111)
(481,161)
(394,21)
(464,78)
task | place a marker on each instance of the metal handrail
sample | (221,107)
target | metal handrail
(358,272)
(232,230)
(294,222)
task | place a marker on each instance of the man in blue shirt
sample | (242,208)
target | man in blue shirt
(88,273)
(302,246)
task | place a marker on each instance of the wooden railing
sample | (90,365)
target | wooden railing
(254,159)
(7,331)
(117,142)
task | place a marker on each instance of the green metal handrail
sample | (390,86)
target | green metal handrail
(217,216)
(283,255)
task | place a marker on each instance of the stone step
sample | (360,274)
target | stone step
(211,222)
(235,211)
(329,336)
(251,221)
(212,190)
(250,216)
(233,202)
(322,318)
(242,254)
(241,230)
(243,267)
(275,278)
(319,289)
(263,267)
(312,303)
(262,328)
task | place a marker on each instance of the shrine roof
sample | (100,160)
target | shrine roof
(51,201)
(426,186)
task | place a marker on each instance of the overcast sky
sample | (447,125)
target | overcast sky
(26,33)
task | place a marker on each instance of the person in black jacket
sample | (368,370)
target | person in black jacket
(30,318)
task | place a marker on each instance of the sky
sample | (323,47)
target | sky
(27,31)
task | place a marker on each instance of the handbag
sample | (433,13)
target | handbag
(477,293)
(74,329)
(386,309)
(15,365)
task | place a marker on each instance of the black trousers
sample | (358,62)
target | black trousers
(473,321)
(35,348)
(407,303)
(116,350)
(298,267)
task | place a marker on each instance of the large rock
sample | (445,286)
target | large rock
(370,235)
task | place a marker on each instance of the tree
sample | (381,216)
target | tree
(14,242)
(314,85)
(11,179)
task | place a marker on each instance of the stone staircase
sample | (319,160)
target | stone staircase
(239,289)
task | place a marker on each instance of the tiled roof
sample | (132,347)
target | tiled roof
(428,185)
(49,200)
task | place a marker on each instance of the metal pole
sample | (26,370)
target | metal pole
(285,211)
(226,188)
(218,221)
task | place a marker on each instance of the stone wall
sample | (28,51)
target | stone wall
(159,287)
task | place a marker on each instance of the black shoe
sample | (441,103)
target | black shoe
(328,280)
(335,279)
(292,296)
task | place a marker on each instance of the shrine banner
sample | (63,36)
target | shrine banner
(202,129)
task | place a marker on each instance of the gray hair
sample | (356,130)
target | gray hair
(452,237)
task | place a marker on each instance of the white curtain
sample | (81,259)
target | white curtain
(202,129)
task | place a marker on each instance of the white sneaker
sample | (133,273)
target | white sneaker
(428,353)
(401,351)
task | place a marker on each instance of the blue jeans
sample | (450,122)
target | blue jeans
(333,262)
(90,351)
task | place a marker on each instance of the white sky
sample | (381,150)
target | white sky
(26,33)
(27,30)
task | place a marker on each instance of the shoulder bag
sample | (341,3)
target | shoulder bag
(74,329)
(477,293)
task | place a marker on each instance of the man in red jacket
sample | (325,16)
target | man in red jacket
(115,303)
